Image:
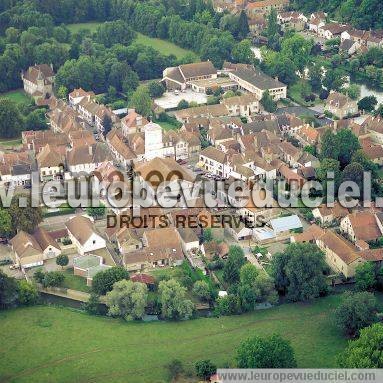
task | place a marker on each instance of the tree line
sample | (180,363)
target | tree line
(34,31)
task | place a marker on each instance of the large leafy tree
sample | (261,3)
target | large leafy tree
(104,280)
(236,259)
(356,311)
(23,217)
(8,291)
(299,271)
(11,122)
(141,101)
(297,49)
(127,300)
(269,352)
(28,293)
(348,144)
(366,351)
(329,145)
(174,304)
(254,287)
(368,103)
(242,52)
(115,32)
(365,276)
(36,120)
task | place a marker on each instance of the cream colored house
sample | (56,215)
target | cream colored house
(341,255)
(244,106)
(340,105)
(33,249)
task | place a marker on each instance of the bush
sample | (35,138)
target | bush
(228,305)
(66,241)
(183,104)
(205,369)
(49,279)
(62,260)
(93,307)
(28,293)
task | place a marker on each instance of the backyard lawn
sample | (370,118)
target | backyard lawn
(163,46)
(74,282)
(53,344)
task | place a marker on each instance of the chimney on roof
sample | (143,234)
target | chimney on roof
(90,150)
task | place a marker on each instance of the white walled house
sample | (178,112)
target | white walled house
(15,175)
(215,161)
(83,235)
(38,81)
(78,95)
(189,239)
(50,163)
(315,25)
(87,159)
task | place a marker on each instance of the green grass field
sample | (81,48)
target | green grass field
(74,28)
(17,96)
(10,143)
(163,46)
(52,344)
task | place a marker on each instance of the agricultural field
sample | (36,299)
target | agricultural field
(48,343)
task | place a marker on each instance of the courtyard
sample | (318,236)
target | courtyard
(170,100)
